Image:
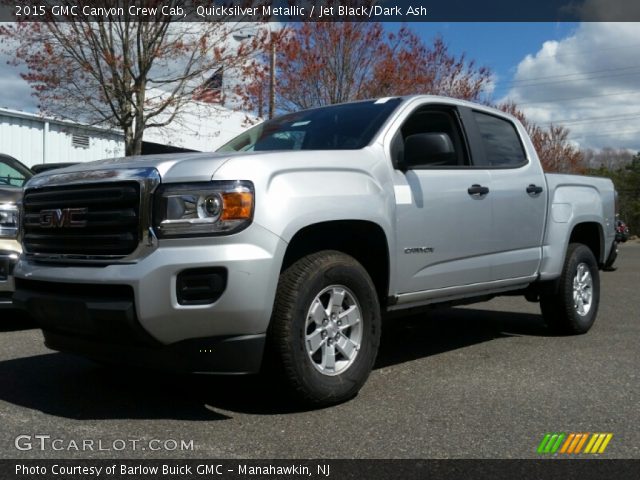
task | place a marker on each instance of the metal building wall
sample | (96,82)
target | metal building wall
(101,145)
(33,140)
(21,138)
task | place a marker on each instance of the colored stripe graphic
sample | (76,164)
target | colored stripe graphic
(556,445)
(551,442)
(567,443)
(573,443)
(543,443)
(598,443)
(581,442)
(605,443)
(590,444)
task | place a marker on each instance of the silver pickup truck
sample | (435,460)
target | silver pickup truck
(286,247)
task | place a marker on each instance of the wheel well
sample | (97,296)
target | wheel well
(365,241)
(589,234)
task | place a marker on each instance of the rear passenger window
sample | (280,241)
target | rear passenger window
(501,141)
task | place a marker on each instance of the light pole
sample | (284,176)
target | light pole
(239,36)
(272,75)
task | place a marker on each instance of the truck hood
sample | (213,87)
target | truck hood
(196,167)
(10,194)
(174,167)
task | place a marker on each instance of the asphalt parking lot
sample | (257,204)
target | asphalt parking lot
(483,381)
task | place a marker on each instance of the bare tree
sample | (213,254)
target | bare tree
(556,152)
(608,158)
(325,63)
(123,73)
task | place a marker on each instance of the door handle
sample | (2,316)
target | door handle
(534,189)
(477,190)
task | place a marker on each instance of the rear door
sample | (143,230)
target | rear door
(518,195)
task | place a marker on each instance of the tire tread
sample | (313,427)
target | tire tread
(290,282)
(557,307)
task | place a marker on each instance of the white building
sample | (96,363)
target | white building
(34,139)
(201,126)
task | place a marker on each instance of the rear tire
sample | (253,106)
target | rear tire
(325,328)
(573,307)
(613,255)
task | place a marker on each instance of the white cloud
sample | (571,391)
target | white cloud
(589,82)
(490,87)
(15,93)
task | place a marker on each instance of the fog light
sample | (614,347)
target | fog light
(200,286)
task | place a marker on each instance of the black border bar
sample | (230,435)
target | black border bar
(330,10)
(556,469)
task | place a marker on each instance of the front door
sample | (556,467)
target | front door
(443,209)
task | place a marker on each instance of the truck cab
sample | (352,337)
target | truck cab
(478,206)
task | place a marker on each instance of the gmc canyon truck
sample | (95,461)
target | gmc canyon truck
(286,247)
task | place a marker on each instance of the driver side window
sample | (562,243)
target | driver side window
(430,138)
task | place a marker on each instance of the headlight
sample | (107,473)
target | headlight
(201,209)
(8,220)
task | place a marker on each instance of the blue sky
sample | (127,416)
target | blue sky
(583,76)
(499,46)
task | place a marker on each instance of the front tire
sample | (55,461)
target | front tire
(572,308)
(325,328)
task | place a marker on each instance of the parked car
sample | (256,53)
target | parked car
(13,176)
(292,241)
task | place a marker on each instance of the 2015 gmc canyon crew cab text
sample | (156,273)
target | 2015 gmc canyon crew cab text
(286,246)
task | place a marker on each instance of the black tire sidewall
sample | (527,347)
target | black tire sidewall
(613,255)
(580,254)
(326,270)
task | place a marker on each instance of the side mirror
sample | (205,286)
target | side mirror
(427,149)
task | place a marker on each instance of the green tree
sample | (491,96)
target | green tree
(627,182)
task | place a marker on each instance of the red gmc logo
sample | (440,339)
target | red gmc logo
(63,218)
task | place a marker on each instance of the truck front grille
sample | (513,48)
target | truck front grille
(99,220)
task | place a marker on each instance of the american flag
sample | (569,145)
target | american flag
(211,90)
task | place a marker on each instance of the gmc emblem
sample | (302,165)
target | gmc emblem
(63,218)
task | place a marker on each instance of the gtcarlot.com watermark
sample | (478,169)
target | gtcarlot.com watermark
(50,443)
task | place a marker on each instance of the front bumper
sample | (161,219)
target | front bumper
(131,311)
(101,324)
(9,253)
(217,355)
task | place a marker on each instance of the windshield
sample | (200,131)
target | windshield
(348,126)
(12,172)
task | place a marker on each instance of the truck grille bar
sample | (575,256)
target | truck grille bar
(82,220)
(97,221)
